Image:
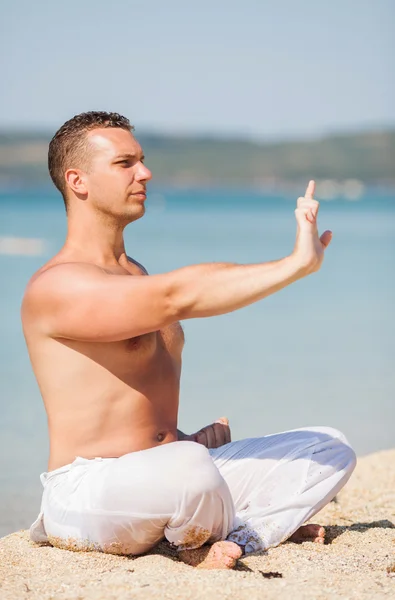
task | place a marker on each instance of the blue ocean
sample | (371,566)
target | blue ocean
(321,351)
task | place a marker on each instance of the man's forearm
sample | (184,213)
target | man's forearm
(207,290)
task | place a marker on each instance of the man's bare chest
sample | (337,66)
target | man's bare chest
(170,340)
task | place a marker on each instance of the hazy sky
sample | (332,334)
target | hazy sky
(275,68)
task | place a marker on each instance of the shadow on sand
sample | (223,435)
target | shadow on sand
(335,531)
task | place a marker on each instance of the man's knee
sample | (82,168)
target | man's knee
(331,432)
(190,456)
(347,455)
(198,471)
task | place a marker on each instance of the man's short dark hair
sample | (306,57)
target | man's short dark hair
(68,147)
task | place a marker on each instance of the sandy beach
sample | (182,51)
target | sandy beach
(357,560)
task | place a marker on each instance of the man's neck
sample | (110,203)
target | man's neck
(96,239)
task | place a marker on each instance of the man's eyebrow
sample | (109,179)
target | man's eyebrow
(128,155)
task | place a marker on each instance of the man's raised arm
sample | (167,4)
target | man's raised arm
(82,302)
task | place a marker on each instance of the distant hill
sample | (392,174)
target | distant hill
(191,161)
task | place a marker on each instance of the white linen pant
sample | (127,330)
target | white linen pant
(256,492)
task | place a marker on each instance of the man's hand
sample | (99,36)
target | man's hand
(309,247)
(212,436)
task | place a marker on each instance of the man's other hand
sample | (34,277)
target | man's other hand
(214,435)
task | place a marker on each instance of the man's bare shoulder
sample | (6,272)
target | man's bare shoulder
(57,270)
(51,278)
(56,273)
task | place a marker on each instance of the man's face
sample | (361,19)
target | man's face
(116,178)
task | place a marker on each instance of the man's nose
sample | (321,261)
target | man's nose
(143,174)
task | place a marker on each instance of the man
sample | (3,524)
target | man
(105,344)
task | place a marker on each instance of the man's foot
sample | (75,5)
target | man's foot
(221,555)
(309,533)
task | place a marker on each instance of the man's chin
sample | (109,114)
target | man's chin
(135,213)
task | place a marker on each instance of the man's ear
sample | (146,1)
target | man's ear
(75,180)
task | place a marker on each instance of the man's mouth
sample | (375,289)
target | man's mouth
(142,195)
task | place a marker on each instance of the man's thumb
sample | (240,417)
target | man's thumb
(326,238)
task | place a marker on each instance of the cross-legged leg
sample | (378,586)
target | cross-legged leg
(280,481)
(126,505)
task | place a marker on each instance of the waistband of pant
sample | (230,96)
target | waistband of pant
(79,460)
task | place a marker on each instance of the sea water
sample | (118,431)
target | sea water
(320,352)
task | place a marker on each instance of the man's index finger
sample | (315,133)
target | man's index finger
(310,190)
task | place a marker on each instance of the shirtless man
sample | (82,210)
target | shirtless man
(105,344)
